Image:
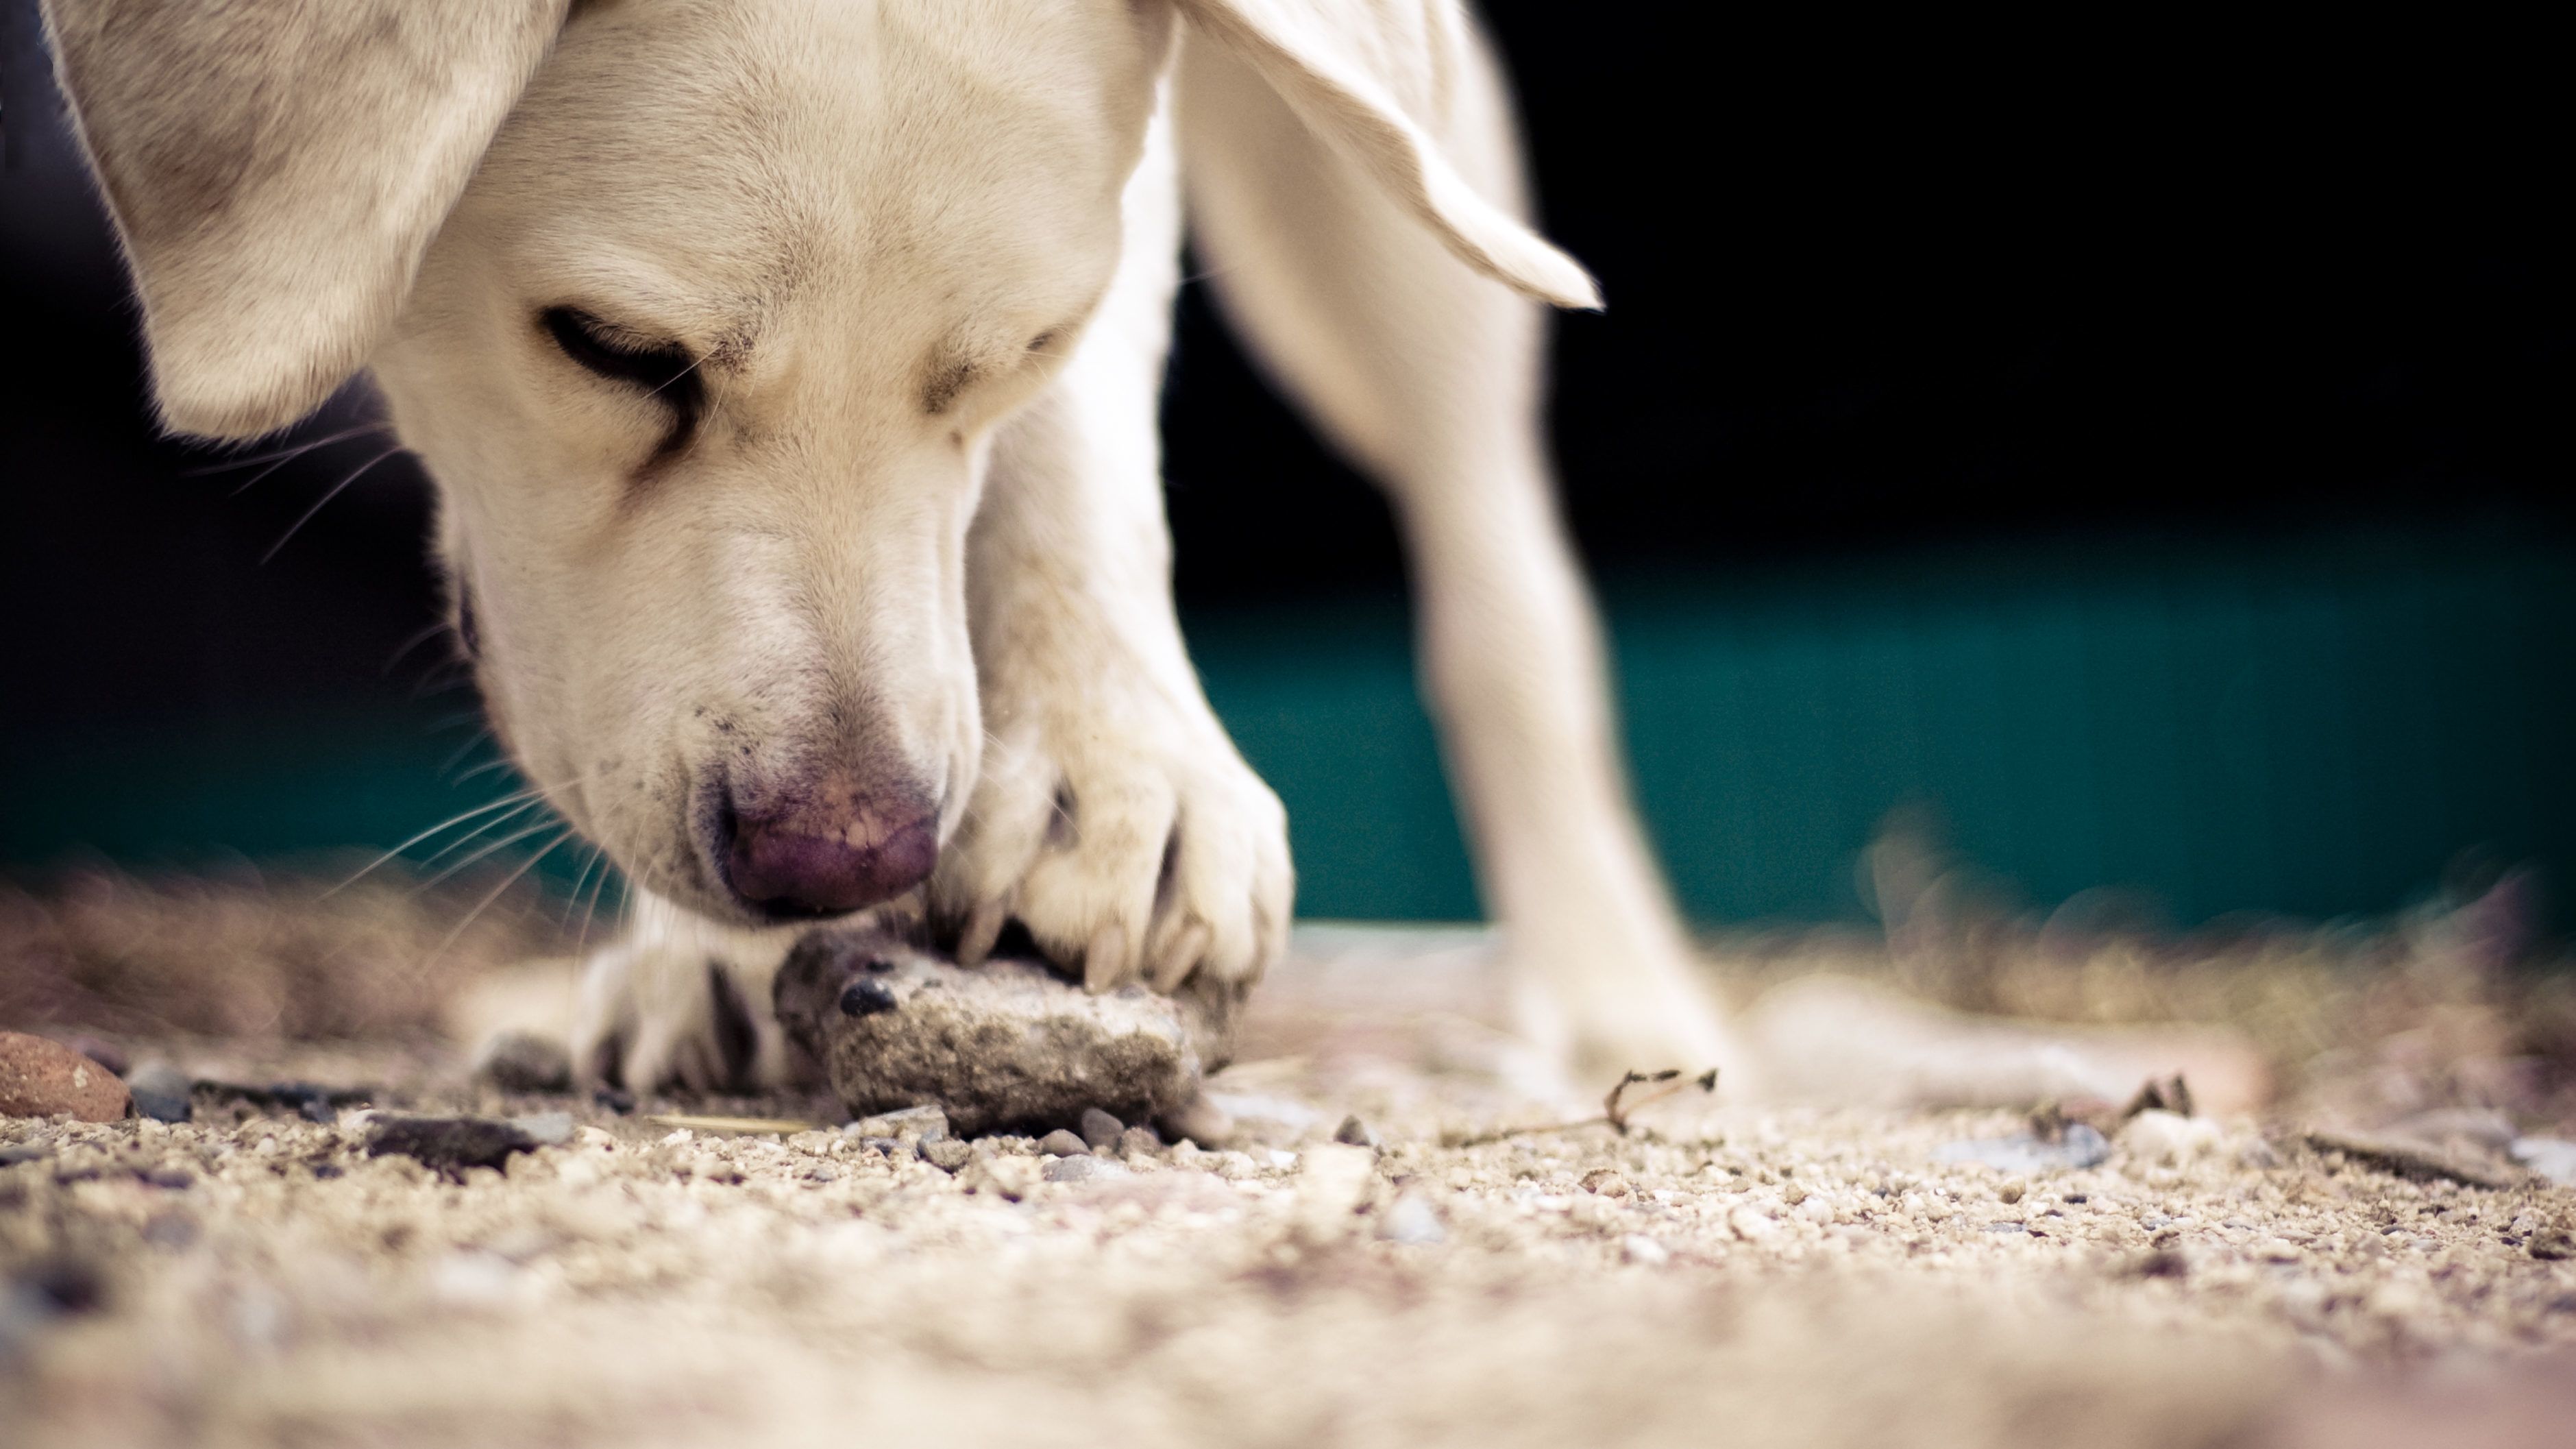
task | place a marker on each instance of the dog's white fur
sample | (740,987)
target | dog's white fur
(925,251)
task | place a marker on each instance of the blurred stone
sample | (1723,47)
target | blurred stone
(161,1091)
(522,1061)
(2024,1152)
(40,1078)
(1356,1133)
(1099,1129)
(1061,1143)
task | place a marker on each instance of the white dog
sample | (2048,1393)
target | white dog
(788,370)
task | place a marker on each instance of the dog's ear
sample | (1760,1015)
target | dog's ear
(1372,78)
(277,167)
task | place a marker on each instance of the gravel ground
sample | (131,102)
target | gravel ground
(1722,1272)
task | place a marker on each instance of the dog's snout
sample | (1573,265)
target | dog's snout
(828,850)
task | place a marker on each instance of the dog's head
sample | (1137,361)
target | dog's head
(702,315)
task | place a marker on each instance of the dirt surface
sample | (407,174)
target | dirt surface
(1724,1272)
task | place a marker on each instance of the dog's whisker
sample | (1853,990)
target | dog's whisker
(456,757)
(482,830)
(412,643)
(283,455)
(563,922)
(590,913)
(504,843)
(514,798)
(497,891)
(324,501)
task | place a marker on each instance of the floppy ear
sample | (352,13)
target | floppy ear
(276,168)
(1368,77)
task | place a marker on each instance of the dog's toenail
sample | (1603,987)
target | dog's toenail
(866,998)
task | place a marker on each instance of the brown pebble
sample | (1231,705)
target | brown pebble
(39,1078)
(1605,1182)
(1061,1143)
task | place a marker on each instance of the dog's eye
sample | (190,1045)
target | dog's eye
(666,372)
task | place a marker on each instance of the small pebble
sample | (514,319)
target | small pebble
(449,1145)
(39,1078)
(1061,1143)
(1606,1182)
(1099,1129)
(923,1123)
(522,1061)
(1643,1251)
(1356,1133)
(946,1153)
(1411,1220)
(1085,1168)
(1139,1141)
(2012,1189)
(547,1129)
(162,1092)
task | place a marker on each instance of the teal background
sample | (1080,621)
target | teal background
(2312,725)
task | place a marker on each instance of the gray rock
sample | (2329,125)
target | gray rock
(1137,1140)
(1061,1143)
(1085,1168)
(1412,1220)
(1003,1047)
(547,1129)
(162,1092)
(948,1154)
(2552,1157)
(449,1145)
(17,1152)
(521,1061)
(1356,1133)
(2078,1146)
(1099,1129)
(922,1124)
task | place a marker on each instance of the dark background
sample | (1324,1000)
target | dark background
(2145,451)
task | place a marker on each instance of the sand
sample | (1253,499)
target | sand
(1726,1272)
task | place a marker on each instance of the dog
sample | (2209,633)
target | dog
(788,371)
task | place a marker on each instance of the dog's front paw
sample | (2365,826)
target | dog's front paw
(1125,833)
(679,1004)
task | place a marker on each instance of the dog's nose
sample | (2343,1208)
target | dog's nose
(826,853)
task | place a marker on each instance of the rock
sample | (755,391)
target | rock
(1006,1046)
(1085,1168)
(1411,1220)
(39,1078)
(916,1124)
(1061,1143)
(2077,1146)
(2553,1246)
(162,1092)
(2552,1157)
(1006,1177)
(449,1145)
(546,1129)
(2012,1190)
(948,1154)
(1355,1133)
(522,1061)
(2413,1160)
(1605,1182)
(1101,1130)
(17,1152)
(2158,1136)
(106,1054)
(1643,1251)
(1136,1141)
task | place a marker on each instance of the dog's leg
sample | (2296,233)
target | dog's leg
(681,1001)
(1428,375)
(1112,816)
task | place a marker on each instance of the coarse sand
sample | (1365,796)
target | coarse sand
(1722,1273)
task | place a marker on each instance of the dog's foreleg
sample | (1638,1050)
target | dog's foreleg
(1428,375)
(1112,816)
